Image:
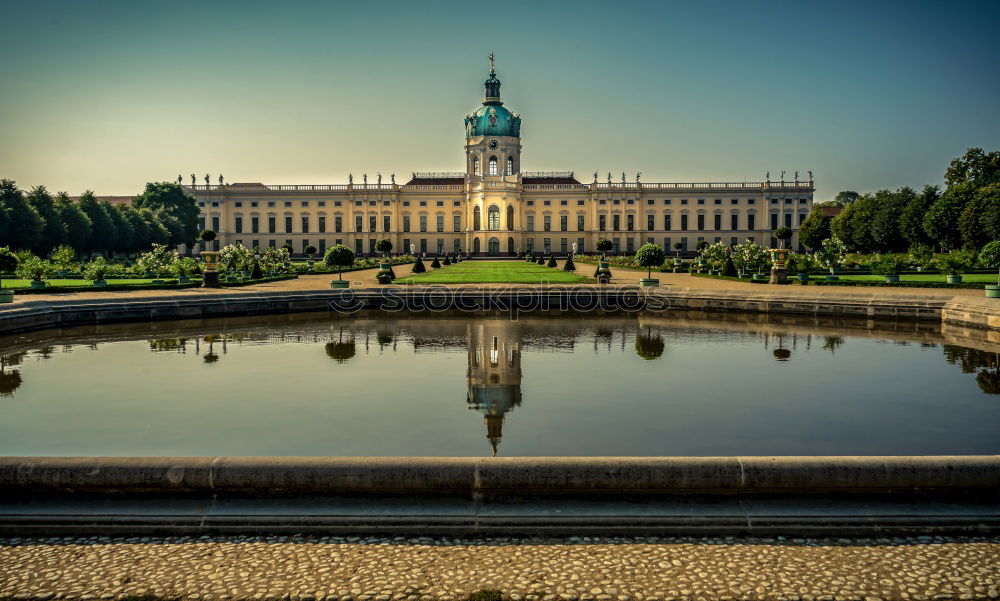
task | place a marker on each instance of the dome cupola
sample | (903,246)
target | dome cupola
(492,119)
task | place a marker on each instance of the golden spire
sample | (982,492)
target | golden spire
(492,69)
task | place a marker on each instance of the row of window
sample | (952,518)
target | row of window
(530,203)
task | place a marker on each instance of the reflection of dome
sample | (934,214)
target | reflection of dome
(494,374)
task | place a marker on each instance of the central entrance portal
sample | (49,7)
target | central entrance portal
(493,247)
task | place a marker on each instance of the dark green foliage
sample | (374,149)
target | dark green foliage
(383,246)
(846,197)
(103,235)
(341,351)
(339,256)
(418,266)
(540,260)
(887,211)
(650,256)
(255,271)
(447,261)
(8,262)
(207,235)
(941,220)
(815,229)
(172,199)
(310,250)
(911,220)
(648,346)
(569,265)
(782,233)
(53,230)
(604,245)
(552,261)
(975,167)
(703,244)
(435,263)
(126,241)
(20,223)
(729,269)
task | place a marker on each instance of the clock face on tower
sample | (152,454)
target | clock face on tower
(493,144)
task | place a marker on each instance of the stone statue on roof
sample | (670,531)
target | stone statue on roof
(180,180)
(350,178)
(623,177)
(380,178)
(638,174)
(220,179)
(366,179)
(208,178)
(392,177)
(192,179)
(796,176)
(609,177)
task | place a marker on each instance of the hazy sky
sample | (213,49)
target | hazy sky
(109,95)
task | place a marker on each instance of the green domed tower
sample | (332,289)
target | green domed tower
(493,136)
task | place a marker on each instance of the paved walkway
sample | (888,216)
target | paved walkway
(575,569)
(366,279)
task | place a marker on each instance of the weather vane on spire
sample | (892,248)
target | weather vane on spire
(492,69)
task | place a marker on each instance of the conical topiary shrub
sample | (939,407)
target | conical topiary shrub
(540,260)
(435,263)
(552,261)
(569,265)
(447,261)
(419,266)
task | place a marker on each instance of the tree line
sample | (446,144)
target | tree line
(39,221)
(965,215)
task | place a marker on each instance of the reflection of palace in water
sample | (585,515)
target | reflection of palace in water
(494,372)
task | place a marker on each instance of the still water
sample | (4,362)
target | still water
(681,384)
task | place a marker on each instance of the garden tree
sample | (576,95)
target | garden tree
(8,263)
(884,227)
(846,197)
(418,266)
(22,225)
(569,265)
(103,236)
(974,167)
(989,256)
(604,245)
(649,256)
(911,220)
(126,233)
(783,234)
(310,250)
(141,234)
(53,231)
(171,198)
(815,229)
(207,236)
(78,226)
(177,233)
(989,197)
(384,246)
(677,248)
(941,221)
(649,346)
(157,233)
(831,254)
(339,256)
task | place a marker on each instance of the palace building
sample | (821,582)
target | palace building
(494,208)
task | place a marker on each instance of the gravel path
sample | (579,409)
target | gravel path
(574,569)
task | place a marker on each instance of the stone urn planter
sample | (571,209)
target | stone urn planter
(802,277)
(649,282)
(955,279)
(992,291)
(37,285)
(831,278)
(100,283)
(892,278)
(183,279)
(7,296)
(337,284)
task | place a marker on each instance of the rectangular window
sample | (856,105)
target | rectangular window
(734,221)
(630,222)
(564,245)
(305,243)
(215,224)
(579,223)
(272,243)
(322,224)
(423,223)
(457,245)
(774,221)
(579,245)
(802,217)
(239,225)
(602,222)
(440,224)
(322,246)
(371,246)
(358,248)
(564,223)
(288,243)
(630,245)
(372,223)
(666,244)
(272,227)
(358,223)
(305,224)
(440,246)
(684,222)
(288,225)
(531,223)
(547,223)
(788,220)
(201,223)
(547,244)
(338,224)
(616,222)
(406,223)
(457,225)
(701,222)
(255,225)
(406,246)
(650,222)
(423,245)
(734,241)
(531,244)
(750,222)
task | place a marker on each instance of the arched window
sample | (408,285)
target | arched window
(510,166)
(510,217)
(493,166)
(475,165)
(493,215)
(476,219)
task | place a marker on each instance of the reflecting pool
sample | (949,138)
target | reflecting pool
(679,384)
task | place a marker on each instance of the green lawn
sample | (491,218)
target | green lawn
(972,278)
(494,272)
(57,283)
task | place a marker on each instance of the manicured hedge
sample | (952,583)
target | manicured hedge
(168,285)
(818,282)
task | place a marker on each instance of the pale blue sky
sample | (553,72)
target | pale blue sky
(109,95)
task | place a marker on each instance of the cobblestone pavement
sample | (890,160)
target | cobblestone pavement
(572,569)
